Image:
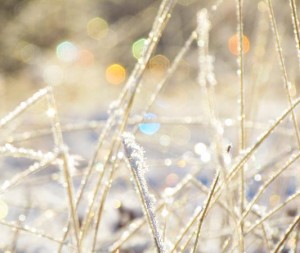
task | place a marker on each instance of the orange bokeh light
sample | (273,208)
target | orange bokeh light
(233,44)
(115,74)
(86,57)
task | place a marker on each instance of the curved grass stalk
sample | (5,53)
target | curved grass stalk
(184,247)
(187,120)
(102,202)
(226,208)
(128,107)
(110,159)
(58,138)
(32,231)
(264,187)
(23,106)
(138,167)
(251,150)
(199,214)
(190,223)
(203,214)
(207,82)
(296,241)
(89,213)
(135,226)
(16,234)
(171,70)
(273,211)
(87,176)
(286,234)
(226,245)
(131,85)
(266,239)
(34,168)
(12,151)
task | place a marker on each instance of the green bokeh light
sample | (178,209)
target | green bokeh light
(137,48)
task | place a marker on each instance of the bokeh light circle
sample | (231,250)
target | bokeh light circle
(151,127)
(233,44)
(115,74)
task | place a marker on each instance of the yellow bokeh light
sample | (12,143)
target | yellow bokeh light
(25,52)
(233,44)
(274,199)
(117,204)
(181,163)
(115,74)
(97,28)
(3,209)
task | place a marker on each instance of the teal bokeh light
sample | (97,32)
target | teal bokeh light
(151,127)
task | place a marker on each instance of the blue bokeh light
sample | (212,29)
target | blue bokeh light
(149,128)
(67,51)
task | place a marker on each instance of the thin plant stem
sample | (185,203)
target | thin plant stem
(186,229)
(183,247)
(295,20)
(57,133)
(240,33)
(202,216)
(260,69)
(283,68)
(286,234)
(132,83)
(171,70)
(251,150)
(32,231)
(264,187)
(32,169)
(226,244)
(266,239)
(113,150)
(22,107)
(296,240)
(273,211)
(135,158)
(135,226)
(10,150)
(134,121)
(101,206)
(242,115)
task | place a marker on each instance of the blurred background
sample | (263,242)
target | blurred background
(86,50)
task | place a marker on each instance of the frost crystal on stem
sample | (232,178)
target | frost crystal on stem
(135,156)
(206,61)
